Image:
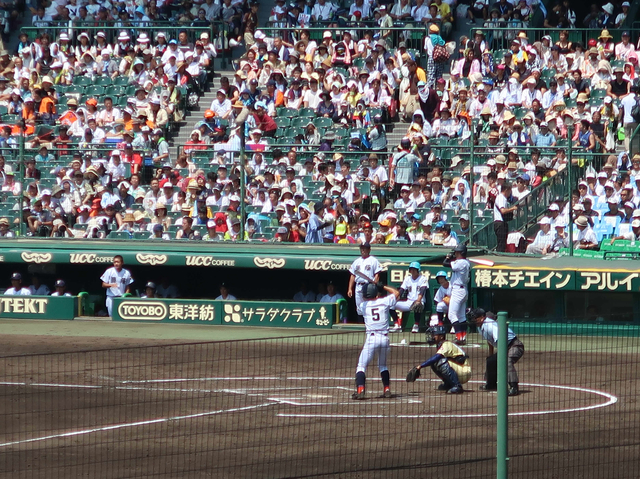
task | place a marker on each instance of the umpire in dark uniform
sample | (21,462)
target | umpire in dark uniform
(488,329)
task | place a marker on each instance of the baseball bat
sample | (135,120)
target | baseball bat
(484,262)
(364,276)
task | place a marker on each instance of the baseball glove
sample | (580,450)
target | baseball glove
(417,307)
(446,300)
(413,375)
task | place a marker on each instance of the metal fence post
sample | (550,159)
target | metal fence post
(472,181)
(502,469)
(570,189)
(243,187)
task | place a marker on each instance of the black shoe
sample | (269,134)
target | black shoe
(513,390)
(486,387)
(358,396)
(455,390)
(443,387)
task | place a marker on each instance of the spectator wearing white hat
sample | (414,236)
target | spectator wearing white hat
(543,239)
(586,238)
(560,239)
(633,235)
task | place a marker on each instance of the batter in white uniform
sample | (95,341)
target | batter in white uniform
(460,269)
(370,267)
(376,309)
(414,292)
(116,281)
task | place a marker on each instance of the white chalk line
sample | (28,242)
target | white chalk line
(407,345)
(611,399)
(133,424)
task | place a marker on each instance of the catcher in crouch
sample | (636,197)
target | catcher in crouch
(450,363)
(414,296)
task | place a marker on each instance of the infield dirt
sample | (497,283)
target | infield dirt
(113,408)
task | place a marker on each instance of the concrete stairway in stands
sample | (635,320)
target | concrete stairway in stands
(196,114)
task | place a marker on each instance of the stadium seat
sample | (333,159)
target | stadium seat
(282,122)
(141,235)
(307,112)
(82,81)
(119,235)
(94,91)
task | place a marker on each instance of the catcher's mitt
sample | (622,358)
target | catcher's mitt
(446,300)
(413,375)
(417,307)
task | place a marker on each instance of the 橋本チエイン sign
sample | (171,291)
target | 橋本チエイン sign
(562,280)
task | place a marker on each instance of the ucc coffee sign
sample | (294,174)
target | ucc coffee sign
(38,307)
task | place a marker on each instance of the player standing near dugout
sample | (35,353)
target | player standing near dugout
(442,297)
(414,296)
(117,281)
(460,269)
(366,269)
(488,329)
(375,306)
(450,363)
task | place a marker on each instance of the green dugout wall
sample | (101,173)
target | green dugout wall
(563,288)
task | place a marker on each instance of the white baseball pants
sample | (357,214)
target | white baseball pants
(377,342)
(458,304)
(404,306)
(442,307)
(359,299)
(109,303)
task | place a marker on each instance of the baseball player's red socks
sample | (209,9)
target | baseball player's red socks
(461,336)
(360,389)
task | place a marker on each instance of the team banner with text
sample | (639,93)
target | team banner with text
(38,307)
(293,315)
(247,313)
(562,280)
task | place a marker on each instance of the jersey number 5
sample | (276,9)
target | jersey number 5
(375,314)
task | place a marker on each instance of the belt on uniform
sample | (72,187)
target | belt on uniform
(374,333)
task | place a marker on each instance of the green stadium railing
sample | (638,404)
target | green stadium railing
(412,34)
(217,31)
(500,38)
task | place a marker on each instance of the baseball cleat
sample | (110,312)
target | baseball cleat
(359,394)
(460,342)
(396,327)
(513,391)
(455,390)
(387,393)
(415,329)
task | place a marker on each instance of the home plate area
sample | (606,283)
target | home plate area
(330,397)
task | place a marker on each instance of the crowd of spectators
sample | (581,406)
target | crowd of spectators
(311,109)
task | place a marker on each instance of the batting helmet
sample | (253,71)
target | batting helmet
(441,273)
(438,330)
(370,291)
(461,248)
(474,314)
(414,264)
